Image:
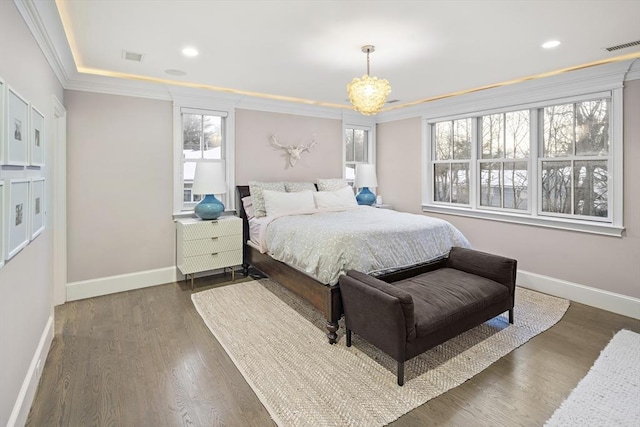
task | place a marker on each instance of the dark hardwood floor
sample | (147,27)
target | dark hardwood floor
(145,358)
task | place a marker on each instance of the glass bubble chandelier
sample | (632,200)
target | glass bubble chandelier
(368,94)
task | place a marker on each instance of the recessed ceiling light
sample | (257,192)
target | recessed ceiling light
(190,51)
(551,44)
(175,72)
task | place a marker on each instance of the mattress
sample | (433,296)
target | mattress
(326,243)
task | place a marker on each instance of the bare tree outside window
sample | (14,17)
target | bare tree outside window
(452,150)
(577,185)
(202,136)
(503,182)
(356,151)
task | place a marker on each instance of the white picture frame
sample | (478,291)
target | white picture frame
(3,108)
(36,140)
(17,129)
(37,207)
(3,232)
(17,216)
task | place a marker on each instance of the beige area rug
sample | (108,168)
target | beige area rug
(279,345)
(609,395)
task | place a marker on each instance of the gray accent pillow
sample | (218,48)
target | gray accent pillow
(256,188)
(296,187)
(331,184)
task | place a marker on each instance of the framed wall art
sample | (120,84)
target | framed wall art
(37,207)
(2,229)
(36,143)
(17,129)
(3,134)
(17,216)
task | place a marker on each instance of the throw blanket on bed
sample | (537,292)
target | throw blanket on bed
(326,243)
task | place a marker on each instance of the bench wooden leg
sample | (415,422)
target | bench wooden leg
(511,316)
(400,373)
(348,337)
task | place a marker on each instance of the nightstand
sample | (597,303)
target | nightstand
(383,206)
(208,245)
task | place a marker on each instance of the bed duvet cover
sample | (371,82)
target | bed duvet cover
(326,243)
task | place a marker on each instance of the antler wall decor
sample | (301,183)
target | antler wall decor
(293,151)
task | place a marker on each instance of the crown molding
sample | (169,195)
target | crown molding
(587,80)
(115,86)
(287,107)
(42,17)
(634,71)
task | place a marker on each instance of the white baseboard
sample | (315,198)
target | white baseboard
(610,301)
(120,283)
(27,392)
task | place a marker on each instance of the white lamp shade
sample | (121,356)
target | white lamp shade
(209,178)
(366,176)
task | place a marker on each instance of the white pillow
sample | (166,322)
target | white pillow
(256,187)
(277,202)
(335,199)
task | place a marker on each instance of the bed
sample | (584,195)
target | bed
(322,291)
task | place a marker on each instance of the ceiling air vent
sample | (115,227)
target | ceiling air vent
(622,46)
(131,56)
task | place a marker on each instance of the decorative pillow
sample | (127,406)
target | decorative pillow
(277,202)
(335,199)
(247,202)
(256,188)
(332,184)
(293,187)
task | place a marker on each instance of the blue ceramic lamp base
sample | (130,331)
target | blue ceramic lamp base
(366,197)
(209,208)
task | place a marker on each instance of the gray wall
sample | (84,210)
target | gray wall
(257,159)
(602,262)
(26,280)
(119,185)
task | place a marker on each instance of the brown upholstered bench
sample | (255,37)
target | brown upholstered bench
(408,317)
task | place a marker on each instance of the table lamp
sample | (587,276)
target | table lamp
(209,179)
(365,178)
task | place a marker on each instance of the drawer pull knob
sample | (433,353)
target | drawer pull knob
(214,222)
(214,238)
(214,254)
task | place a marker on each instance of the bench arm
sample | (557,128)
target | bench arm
(494,267)
(378,311)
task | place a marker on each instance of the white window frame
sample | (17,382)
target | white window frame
(573,87)
(371,147)
(200,106)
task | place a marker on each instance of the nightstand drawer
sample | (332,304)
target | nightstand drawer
(211,245)
(216,228)
(211,261)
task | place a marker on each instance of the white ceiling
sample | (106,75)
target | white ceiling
(311,49)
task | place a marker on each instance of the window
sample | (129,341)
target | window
(358,142)
(575,160)
(201,134)
(551,163)
(452,158)
(504,163)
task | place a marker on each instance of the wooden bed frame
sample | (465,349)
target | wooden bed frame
(325,298)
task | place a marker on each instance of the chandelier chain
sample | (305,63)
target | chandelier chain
(368,73)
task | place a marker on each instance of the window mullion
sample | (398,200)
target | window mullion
(534,181)
(474,169)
